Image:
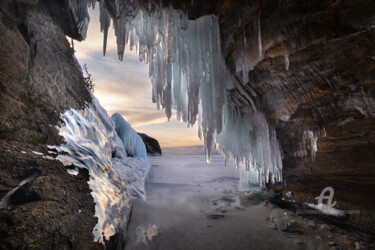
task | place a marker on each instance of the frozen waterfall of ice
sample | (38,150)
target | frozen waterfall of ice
(92,143)
(188,73)
(249,139)
(249,179)
(309,137)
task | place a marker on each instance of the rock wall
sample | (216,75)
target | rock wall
(38,80)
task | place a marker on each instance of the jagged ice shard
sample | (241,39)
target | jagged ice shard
(188,73)
(92,143)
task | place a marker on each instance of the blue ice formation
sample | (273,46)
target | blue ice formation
(133,143)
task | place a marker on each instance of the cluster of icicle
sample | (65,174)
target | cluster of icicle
(311,136)
(92,143)
(78,9)
(188,74)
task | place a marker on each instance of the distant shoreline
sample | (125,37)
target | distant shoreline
(186,150)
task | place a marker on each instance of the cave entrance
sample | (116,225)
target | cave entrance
(182,177)
(124,87)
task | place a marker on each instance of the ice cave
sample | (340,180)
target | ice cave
(280,94)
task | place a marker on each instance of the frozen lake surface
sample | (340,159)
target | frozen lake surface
(192,205)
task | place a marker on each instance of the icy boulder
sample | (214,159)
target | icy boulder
(133,143)
(133,171)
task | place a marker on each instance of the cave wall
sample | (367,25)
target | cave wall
(328,88)
(38,80)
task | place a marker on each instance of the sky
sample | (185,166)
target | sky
(124,87)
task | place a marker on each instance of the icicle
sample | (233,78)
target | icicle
(200,121)
(168,92)
(105,22)
(245,68)
(286,57)
(313,137)
(260,46)
(244,39)
(120,32)
(245,73)
(91,3)
(117,4)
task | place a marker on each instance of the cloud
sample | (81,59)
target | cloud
(173,133)
(138,117)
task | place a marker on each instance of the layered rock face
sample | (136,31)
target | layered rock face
(38,80)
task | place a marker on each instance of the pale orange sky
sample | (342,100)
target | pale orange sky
(124,87)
